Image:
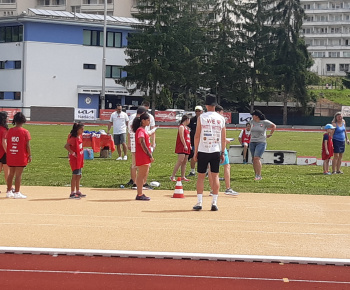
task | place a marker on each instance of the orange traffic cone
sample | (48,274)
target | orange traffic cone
(179,192)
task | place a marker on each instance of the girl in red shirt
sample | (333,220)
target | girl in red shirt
(74,146)
(183,148)
(3,144)
(143,153)
(17,154)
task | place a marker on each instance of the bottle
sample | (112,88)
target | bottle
(121,186)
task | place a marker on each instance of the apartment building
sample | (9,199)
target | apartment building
(327,33)
(114,7)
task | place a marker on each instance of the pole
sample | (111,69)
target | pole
(102,96)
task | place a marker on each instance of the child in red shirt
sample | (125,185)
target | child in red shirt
(143,153)
(17,154)
(74,146)
(327,148)
(182,148)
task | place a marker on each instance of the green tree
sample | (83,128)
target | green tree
(147,65)
(292,60)
(256,37)
(226,69)
(346,80)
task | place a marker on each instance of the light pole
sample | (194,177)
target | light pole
(102,96)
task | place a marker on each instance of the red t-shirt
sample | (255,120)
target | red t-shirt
(180,149)
(140,156)
(3,133)
(76,144)
(330,147)
(17,139)
(246,137)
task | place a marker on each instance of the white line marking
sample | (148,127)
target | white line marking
(170,276)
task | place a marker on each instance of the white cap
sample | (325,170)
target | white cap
(198,108)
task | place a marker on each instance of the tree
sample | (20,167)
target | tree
(346,80)
(291,60)
(147,65)
(256,37)
(225,66)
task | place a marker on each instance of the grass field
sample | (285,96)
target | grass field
(50,165)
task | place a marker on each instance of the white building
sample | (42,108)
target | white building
(327,33)
(114,7)
(56,60)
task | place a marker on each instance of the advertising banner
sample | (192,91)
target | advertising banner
(10,112)
(227,116)
(85,114)
(345,111)
(165,116)
(244,118)
(106,114)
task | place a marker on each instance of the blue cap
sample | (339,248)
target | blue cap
(329,126)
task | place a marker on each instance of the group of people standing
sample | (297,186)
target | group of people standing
(333,144)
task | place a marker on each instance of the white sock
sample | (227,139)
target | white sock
(215,198)
(192,170)
(200,198)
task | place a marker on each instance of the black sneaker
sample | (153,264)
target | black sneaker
(130,183)
(191,174)
(147,187)
(214,207)
(221,179)
(74,196)
(197,207)
(142,197)
(134,186)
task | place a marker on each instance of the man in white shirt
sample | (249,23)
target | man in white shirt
(209,142)
(119,120)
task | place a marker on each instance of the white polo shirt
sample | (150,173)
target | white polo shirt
(119,122)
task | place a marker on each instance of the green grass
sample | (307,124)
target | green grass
(50,165)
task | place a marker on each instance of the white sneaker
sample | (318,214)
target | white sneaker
(19,195)
(9,194)
(125,157)
(230,191)
(119,158)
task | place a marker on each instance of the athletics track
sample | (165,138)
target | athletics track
(111,241)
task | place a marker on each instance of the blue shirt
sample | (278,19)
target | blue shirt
(339,132)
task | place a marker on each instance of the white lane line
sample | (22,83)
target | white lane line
(179,219)
(170,276)
(167,228)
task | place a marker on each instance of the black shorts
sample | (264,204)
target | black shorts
(208,158)
(3,159)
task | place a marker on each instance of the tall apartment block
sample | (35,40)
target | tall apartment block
(327,33)
(114,7)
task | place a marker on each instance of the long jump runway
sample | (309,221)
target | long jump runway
(254,241)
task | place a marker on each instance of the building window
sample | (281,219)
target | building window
(10,96)
(18,64)
(93,37)
(7,1)
(17,95)
(113,72)
(2,65)
(96,2)
(346,54)
(334,54)
(89,66)
(318,54)
(11,33)
(330,67)
(114,39)
(344,67)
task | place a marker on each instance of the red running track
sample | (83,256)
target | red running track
(82,272)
